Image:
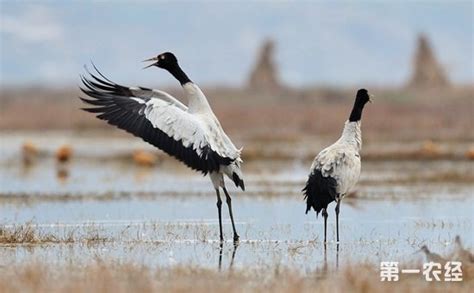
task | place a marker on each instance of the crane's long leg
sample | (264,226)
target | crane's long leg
(325,215)
(229,204)
(219,211)
(337,219)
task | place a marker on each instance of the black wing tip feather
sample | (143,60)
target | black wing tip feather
(90,110)
(98,85)
(319,191)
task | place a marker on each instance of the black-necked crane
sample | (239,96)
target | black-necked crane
(336,169)
(192,134)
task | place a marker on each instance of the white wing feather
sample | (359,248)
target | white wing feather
(154,93)
(193,130)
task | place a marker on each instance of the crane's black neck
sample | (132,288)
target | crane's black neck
(178,73)
(356,113)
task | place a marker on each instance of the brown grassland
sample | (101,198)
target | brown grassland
(436,114)
(104,276)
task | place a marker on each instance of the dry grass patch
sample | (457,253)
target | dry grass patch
(30,234)
(103,276)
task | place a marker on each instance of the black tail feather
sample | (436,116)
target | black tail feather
(319,191)
(238,182)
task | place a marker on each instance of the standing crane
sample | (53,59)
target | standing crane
(336,169)
(192,134)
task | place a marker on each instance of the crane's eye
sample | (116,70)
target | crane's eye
(162,56)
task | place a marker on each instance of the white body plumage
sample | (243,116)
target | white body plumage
(196,126)
(341,160)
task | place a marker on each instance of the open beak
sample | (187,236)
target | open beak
(151,59)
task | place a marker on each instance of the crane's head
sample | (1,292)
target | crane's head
(165,60)
(363,97)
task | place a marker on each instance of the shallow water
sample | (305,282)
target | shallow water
(167,215)
(184,230)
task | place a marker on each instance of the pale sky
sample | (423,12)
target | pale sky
(319,42)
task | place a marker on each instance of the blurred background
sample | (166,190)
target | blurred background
(254,60)
(280,76)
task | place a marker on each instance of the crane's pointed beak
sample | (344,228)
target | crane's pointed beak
(371,97)
(151,59)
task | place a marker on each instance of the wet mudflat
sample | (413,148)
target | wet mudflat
(101,217)
(101,205)
(166,216)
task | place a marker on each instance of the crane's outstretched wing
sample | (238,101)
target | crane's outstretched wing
(102,83)
(156,117)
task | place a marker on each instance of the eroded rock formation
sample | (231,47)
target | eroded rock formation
(264,75)
(427,71)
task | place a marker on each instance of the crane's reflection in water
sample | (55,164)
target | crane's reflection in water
(221,251)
